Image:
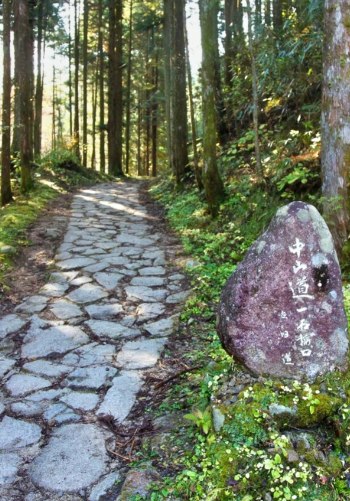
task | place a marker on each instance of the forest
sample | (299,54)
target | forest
(223,111)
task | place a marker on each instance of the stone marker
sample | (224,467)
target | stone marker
(282,312)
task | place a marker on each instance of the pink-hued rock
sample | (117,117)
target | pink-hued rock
(282,311)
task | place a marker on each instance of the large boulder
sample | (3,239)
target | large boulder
(282,311)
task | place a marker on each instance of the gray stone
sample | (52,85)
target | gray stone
(27,409)
(15,433)
(79,400)
(76,263)
(62,277)
(81,281)
(97,267)
(34,304)
(7,249)
(60,339)
(279,410)
(147,311)
(91,354)
(85,459)
(5,365)
(272,316)
(59,414)
(101,489)
(121,397)
(140,354)
(87,293)
(64,309)
(179,297)
(20,384)
(138,483)
(162,327)
(54,289)
(104,311)
(10,324)
(2,408)
(9,465)
(125,238)
(218,419)
(153,270)
(148,281)
(45,395)
(113,330)
(108,280)
(45,368)
(145,294)
(91,377)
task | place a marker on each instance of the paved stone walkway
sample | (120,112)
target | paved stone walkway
(80,348)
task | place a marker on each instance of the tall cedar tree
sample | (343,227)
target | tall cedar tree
(336,119)
(76,78)
(24,64)
(101,86)
(39,88)
(115,97)
(6,194)
(175,86)
(128,91)
(214,190)
(85,80)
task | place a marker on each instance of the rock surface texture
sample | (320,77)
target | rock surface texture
(282,312)
(80,349)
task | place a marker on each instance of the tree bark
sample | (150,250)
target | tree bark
(336,120)
(128,93)
(168,88)
(85,82)
(214,190)
(6,192)
(101,87)
(24,64)
(76,81)
(39,84)
(115,102)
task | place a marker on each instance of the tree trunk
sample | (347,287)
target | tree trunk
(39,84)
(16,139)
(94,92)
(85,82)
(196,168)
(6,193)
(53,127)
(213,185)
(70,83)
(259,169)
(155,116)
(139,135)
(168,87)
(115,102)
(76,81)
(24,64)
(179,107)
(128,95)
(101,88)
(267,13)
(336,120)
(278,15)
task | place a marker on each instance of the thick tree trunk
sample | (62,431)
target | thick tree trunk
(128,93)
(259,169)
(267,13)
(76,81)
(24,63)
(6,193)
(168,88)
(213,185)
(70,83)
(85,82)
(155,117)
(179,107)
(39,84)
(101,88)
(94,93)
(115,101)
(278,15)
(336,120)
(16,139)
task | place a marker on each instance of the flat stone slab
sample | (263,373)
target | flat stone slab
(5,365)
(148,281)
(121,397)
(104,311)
(45,368)
(27,409)
(15,433)
(145,294)
(10,324)
(64,309)
(20,384)
(153,270)
(179,297)
(34,304)
(108,280)
(54,289)
(59,413)
(147,311)
(163,327)
(104,486)
(87,293)
(9,465)
(140,354)
(91,377)
(85,459)
(76,263)
(113,330)
(82,401)
(91,354)
(60,339)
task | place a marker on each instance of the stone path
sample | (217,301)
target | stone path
(81,348)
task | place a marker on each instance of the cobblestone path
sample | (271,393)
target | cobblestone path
(81,347)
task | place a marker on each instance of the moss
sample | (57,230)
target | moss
(326,407)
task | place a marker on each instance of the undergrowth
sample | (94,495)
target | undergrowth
(52,177)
